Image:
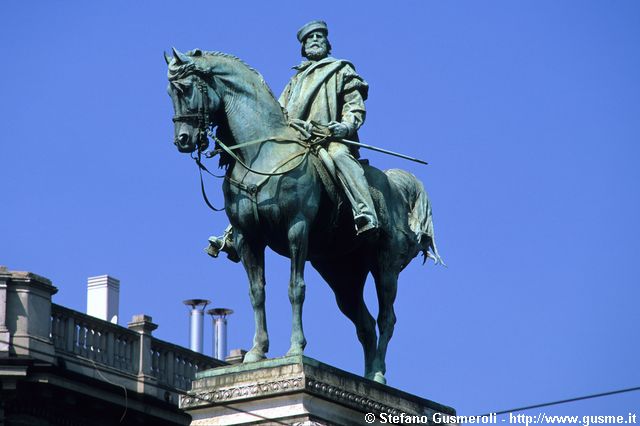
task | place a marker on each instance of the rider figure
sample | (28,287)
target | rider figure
(327,92)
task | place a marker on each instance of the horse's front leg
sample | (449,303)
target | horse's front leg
(252,256)
(298,245)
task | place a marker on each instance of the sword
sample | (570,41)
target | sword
(384,151)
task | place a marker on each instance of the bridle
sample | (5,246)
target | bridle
(201,119)
(204,124)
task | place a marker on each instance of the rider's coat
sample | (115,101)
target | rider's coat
(327,90)
(330,90)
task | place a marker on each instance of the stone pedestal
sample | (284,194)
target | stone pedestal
(298,390)
(25,315)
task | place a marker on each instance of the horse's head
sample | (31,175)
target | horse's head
(194,100)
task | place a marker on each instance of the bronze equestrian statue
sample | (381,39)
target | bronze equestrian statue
(327,91)
(283,190)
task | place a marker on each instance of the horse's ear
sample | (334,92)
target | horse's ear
(180,58)
(167,58)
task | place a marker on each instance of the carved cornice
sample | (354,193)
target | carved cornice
(354,400)
(252,390)
(222,395)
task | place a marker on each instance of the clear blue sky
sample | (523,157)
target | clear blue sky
(528,112)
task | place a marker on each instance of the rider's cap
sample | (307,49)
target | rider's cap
(310,27)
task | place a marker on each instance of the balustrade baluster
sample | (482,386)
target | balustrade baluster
(164,366)
(109,348)
(70,330)
(102,343)
(116,351)
(60,332)
(55,331)
(170,373)
(191,373)
(132,355)
(121,355)
(180,373)
(154,363)
(90,343)
(82,339)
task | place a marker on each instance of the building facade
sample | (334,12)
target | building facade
(59,366)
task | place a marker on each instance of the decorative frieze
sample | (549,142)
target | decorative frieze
(207,397)
(354,400)
(295,390)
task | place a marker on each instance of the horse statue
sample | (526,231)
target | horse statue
(279,194)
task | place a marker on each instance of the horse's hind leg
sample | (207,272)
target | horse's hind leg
(298,244)
(386,288)
(252,256)
(347,280)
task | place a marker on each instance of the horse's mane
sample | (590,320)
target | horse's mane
(177,72)
(229,72)
(228,56)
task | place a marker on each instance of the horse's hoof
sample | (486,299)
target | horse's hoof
(253,356)
(293,351)
(379,377)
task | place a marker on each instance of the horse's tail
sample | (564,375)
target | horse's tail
(420,216)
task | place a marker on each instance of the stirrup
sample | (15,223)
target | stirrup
(364,224)
(216,245)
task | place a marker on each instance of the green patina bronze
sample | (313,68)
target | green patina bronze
(293,186)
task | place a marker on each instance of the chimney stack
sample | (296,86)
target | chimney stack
(103,297)
(219,316)
(196,322)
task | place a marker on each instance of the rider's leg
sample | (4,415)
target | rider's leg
(223,243)
(355,186)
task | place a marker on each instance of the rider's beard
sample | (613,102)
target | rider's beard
(315,53)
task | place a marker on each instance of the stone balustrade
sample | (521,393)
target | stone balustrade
(32,326)
(175,366)
(77,334)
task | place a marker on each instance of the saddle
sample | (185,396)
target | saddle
(317,134)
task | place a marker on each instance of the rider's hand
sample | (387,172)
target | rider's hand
(338,130)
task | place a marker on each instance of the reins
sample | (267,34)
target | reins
(202,118)
(253,188)
(201,167)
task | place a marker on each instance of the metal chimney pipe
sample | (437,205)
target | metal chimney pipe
(196,322)
(219,316)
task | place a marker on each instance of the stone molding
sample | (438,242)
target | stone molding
(354,400)
(295,390)
(327,391)
(224,394)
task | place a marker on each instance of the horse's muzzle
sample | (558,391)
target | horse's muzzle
(183,143)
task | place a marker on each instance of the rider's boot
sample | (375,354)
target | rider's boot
(223,243)
(356,188)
